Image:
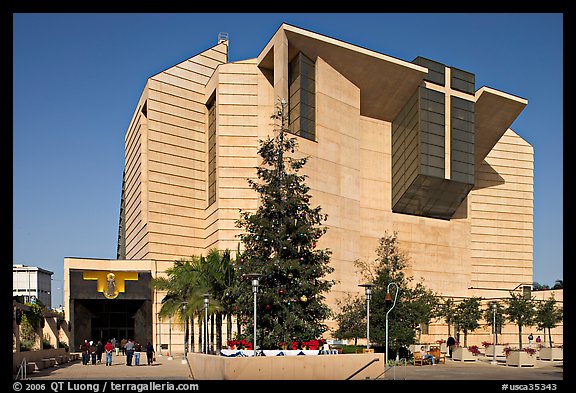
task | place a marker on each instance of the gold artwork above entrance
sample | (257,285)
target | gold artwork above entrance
(110,283)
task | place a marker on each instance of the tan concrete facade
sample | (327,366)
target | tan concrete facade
(166,213)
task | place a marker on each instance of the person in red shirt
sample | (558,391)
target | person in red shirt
(108,348)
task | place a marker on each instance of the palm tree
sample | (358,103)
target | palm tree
(218,275)
(184,297)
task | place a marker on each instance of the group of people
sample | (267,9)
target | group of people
(531,337)
(92,352)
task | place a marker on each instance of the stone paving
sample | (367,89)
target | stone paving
(178,369)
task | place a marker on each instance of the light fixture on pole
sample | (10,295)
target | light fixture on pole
(495,338)
(206,301)
(368,292)
(389,301)
(255,282)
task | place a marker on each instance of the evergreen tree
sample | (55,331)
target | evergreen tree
(415,303)
(279,241)
(351,319)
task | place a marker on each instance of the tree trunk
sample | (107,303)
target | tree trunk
(218,332)
(185,334)
(229,328)
(520,335)
(212,333)
(193,349)
(200,334)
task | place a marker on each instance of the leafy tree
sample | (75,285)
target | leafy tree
(447,310)
(558,284)
(520,310)
(548,315)
(415,304)
(351,320)
(279,241)
(539,287)
(467,316)
(489,317)
(31,320)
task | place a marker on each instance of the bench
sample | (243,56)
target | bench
(438,356)
(419,360)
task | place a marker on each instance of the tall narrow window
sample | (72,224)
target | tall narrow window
(462,143)
(211,106)
(302,101)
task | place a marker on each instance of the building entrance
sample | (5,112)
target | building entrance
(108,304)
(114,319)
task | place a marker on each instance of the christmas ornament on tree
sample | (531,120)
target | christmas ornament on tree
(279,240)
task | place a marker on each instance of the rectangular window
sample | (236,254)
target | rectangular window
(435,70)
(432,132)
(462,81)
(462,140)
(302,100)
(425,328)
(211,106)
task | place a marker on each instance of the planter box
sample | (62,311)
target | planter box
(520,359)
(551,353)
(443,348)
(499,351)
(462,354)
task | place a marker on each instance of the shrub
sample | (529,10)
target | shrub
(474,349)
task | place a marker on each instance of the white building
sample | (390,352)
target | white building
(32,283)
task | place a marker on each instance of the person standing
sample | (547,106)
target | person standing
(93,350)
(99,351)
(150,353)
(137,349)
(108,348)
(129,349)
(85,349)
(123,346)
(450,343)
(538,340)
(530,338)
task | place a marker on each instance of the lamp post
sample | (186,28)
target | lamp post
(494,307)
(388,300)
(185,316)
(255,282)
(368,292)
(170,339)
(206,301)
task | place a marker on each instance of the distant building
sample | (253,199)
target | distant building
(32,283)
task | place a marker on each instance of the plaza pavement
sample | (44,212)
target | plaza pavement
(178,369)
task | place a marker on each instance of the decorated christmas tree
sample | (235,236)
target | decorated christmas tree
(280,244)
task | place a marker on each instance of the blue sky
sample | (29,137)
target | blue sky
(78,77)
